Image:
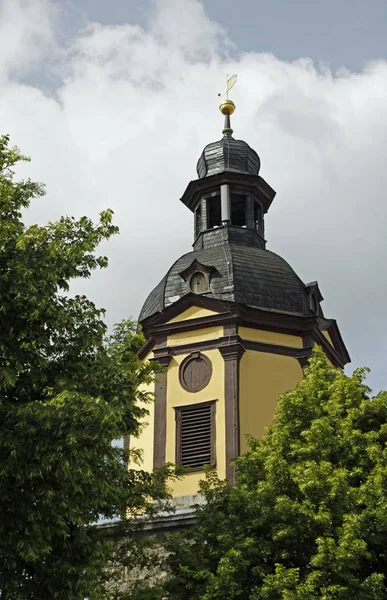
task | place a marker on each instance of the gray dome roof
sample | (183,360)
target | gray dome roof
(243,274)
(228,154)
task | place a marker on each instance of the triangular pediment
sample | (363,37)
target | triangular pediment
(193,312)
(185,303)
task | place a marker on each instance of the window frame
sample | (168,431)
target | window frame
(178,437)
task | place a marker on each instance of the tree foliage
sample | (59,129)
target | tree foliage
(67,391)
(307,518)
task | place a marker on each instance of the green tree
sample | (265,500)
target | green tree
(307,518)
(67,390)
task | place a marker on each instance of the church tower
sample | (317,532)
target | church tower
(231,323)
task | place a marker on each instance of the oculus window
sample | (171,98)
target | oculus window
(198,283)
(195,372)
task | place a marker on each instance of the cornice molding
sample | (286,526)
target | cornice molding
(231,351)
(231,315)
(252,183)
(233,346)
(162,356)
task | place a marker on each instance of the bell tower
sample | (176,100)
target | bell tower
(231,322)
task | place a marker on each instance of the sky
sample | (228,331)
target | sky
(115,101)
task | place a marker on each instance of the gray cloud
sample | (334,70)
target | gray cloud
(134,108)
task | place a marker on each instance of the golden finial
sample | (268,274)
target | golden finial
(227,107)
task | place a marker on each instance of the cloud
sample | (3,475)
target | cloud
(185,27)
(128,120)
(27,33)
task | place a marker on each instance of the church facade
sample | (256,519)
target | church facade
(230,322)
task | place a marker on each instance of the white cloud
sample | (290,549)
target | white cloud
(131,115)
(184,27)
(27,33)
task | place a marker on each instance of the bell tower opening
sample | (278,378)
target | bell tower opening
(214,212)
(238,210)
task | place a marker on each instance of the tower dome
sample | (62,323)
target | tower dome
(236,273)
(228,154)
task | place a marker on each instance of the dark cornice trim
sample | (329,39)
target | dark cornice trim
(298,353)
(231,344)
(334,356)
(226,312)
(146,349)
(231,315)
(337,341)
(232,350)
(254,183)
(162,356)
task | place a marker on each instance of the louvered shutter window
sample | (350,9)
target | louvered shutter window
(195,435)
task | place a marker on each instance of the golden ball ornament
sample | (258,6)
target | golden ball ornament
(227,107)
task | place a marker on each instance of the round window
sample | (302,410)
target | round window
(195,372)
(198,283)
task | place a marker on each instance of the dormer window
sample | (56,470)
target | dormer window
(197,277)
(315,297)
(314,304)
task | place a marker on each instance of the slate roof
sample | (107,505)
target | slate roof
(228,154)
(244,274)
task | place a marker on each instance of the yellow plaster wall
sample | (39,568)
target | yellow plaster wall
(200,335)
(270,337)
(177,396)
(193,312)
(144,441)
(263,377)
(327,336)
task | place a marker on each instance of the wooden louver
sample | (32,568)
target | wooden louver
(195,435)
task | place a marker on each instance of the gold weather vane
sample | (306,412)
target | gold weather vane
(230,82)
(227,107)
